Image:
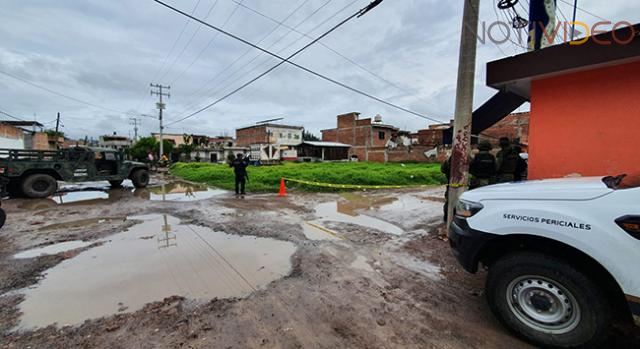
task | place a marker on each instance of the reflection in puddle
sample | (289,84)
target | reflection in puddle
(76,196)
(52,249)
(131,269)
(329,211)
(182,191)
(174,191)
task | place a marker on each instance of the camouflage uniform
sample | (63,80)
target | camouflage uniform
(507,162)
(483,167)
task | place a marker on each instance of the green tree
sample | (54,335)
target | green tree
(308,136)
(140,150)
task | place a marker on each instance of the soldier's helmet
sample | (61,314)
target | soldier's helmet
(484,146)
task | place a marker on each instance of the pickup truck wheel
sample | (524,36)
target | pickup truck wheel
(116,184)
(39,186)
(140,178)
(547,302)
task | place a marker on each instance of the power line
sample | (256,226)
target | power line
(11,116)
(205,47)
(166,58)
(287,60)
(197,92)
(583,10)
(327,47)
(184,48)
(69,97)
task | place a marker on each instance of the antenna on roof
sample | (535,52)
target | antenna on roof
(270,120)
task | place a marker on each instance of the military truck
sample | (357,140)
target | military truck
(35,173)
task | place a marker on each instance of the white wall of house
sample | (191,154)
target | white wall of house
(285,136)
(11,143)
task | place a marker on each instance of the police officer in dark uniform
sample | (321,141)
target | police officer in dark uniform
(483,166)
(240,164)
(507,160)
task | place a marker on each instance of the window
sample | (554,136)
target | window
(381,135)
(289,135)
(296,136)
(281,135)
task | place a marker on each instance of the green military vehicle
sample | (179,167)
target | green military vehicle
(35,173)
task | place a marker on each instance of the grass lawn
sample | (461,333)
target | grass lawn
(267,178)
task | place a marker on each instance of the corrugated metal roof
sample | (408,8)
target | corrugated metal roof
(327,144)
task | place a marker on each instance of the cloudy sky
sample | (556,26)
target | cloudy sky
(105,54)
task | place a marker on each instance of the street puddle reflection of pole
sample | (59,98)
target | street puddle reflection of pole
(166,238)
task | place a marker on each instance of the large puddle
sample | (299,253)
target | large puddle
(183,191)
(98,193)
(335,212)
(153,260)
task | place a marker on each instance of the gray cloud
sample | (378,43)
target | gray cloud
(107,52)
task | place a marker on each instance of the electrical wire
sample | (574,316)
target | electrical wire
(70,97)
(585,11)
(287,60)
(205,48)
(11,116)
(214,78)
(166,58)
(327,47)
(184,48)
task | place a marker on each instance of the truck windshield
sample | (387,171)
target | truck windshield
(624,181)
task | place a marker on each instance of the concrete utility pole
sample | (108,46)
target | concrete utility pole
(57,123)
(134,122)
(464,106)
(156,89)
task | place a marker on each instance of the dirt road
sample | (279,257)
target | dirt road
(186,266)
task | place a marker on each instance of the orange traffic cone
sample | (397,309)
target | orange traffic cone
(283,189)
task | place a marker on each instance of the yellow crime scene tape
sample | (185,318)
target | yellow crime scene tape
(325,230)
(354,186)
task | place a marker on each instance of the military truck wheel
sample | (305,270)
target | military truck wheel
(3,217)
(116,184)
(140,178)
(39,186)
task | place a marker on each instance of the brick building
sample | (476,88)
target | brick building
(270,142)
(368,138)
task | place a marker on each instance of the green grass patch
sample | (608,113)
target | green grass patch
(267,178)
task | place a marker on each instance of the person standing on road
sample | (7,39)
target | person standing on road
(240,164)
(507,160)
(483,166)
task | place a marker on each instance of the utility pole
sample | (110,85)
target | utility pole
(459,174)
(156,89)
(57,128)
(134,122)
(58,123)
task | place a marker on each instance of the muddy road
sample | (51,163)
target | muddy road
(186,266)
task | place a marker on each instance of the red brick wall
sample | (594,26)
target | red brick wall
(40,141)
(253,135)
(347,120)
(430,138)
(330,135)
(514,126)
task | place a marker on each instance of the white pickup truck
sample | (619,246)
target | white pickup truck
(563,255)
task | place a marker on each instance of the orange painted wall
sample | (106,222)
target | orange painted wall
(586,123)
